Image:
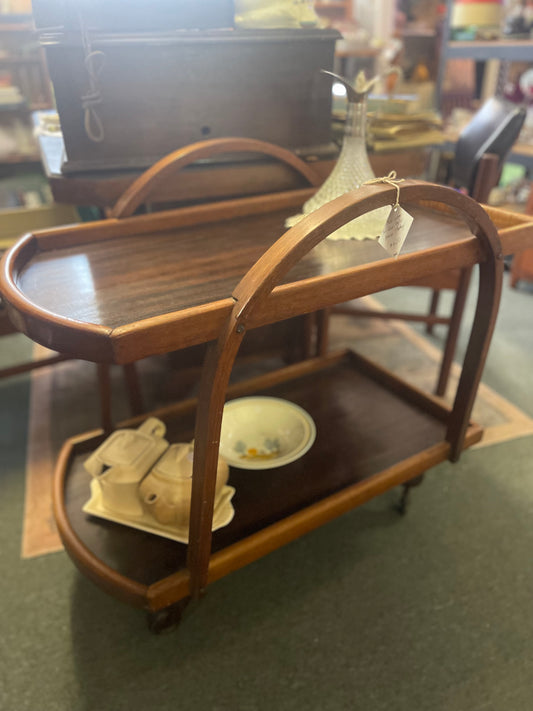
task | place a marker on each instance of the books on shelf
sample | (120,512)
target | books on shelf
(10,96)
(428,138)
(396,131)
(30,190)
(16,139)
(398,121)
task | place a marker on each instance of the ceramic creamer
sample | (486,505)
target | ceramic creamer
(121,462)
(166,490)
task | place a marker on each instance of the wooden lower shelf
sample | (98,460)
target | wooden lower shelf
(373,432)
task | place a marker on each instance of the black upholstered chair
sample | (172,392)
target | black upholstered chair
(475,166)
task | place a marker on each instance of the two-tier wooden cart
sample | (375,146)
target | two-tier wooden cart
(123,289)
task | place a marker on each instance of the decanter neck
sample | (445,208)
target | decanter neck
(355,124)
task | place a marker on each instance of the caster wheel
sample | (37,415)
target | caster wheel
(403,504)
(167,619)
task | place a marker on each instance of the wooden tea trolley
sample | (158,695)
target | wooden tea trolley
(123,289)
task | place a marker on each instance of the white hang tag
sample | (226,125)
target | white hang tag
(395,231)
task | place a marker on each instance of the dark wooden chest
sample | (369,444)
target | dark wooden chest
(125,100)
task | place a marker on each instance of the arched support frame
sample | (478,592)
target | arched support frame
(256,287)
(148,183)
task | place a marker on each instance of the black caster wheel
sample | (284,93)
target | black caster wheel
(166,619)
(405,497)
(403,503)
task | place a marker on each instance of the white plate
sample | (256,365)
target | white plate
(222,515)
(264,432)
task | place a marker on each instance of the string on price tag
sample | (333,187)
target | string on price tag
(398,222)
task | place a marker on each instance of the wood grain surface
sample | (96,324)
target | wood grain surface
(344,404)
(374,430)
(124,289)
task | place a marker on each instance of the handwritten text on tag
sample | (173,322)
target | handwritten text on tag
(395,231)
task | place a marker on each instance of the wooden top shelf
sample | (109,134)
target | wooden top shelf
(120,290)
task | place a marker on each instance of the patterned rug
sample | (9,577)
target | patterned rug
(64,402)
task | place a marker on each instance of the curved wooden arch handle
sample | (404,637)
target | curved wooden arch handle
(151,179)
(270,269)
(255,288)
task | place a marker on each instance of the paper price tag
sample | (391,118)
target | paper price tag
(395,231)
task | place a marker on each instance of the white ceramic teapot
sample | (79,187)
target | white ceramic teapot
(166,490)
(120,463)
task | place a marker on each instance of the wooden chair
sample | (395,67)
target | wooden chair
(145,188)
(522,264)
(103,375)
(476,167)
(295,339)
(7,329)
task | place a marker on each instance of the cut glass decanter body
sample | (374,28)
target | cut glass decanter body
(352,168)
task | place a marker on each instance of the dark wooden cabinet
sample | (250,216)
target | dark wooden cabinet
(130,99)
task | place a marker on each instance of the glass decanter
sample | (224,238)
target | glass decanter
(352,168)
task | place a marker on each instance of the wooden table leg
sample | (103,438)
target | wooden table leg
(104,385)
(322,331)
(453,331)
(134,389)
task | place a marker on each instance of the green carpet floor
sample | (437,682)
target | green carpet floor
(373,612)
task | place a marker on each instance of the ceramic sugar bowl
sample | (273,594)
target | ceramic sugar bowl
(120,463)
(166,490)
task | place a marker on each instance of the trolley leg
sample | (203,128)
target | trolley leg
(405,497)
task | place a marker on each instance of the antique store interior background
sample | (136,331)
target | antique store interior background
(376,611)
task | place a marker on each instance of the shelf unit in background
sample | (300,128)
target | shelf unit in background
(500,50)
(421,46)
(333,11)
(22,56)
(350,56)
(22,65)
(504,49)
(25,199)
(497,54)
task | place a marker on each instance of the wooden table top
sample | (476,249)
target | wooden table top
(120,290)
(137,277)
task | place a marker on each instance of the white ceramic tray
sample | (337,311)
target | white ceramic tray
(222,515)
